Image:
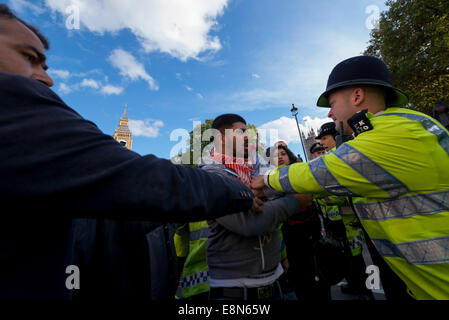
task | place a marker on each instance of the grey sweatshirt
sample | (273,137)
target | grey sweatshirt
(236,246)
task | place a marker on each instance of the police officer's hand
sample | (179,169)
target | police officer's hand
(305,200)
(257,183)
(257,205)
(258,193)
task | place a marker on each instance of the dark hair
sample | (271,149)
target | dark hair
(226,120)
(291,156)
(5,12)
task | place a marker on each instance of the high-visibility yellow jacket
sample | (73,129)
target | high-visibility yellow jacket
(399,174)
(190,242)
(337,209)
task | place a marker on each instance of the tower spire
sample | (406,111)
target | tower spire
(124,116)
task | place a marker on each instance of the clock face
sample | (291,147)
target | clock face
(123,143)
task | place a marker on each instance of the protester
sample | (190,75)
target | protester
(399,196)
(300,232)
(280,143)
(243,250)
(57,166)
(281,155)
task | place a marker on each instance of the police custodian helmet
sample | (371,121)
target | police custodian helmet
(363,70)
(327,128)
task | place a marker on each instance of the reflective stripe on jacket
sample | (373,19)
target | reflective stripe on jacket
(399,174)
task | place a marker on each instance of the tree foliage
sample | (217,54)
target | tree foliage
(413,40)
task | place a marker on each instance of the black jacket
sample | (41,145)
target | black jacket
(55,166)
(124,260)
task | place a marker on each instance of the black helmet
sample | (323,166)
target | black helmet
(316,147)
(363,70)
(327,128)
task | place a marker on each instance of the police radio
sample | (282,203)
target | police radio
(360,122)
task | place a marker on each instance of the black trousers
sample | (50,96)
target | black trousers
(299,239)
(355,275)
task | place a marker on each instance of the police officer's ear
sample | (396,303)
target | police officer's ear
(358,96)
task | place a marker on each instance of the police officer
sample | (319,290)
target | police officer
(396,170)
(190,244)
(326,135)
(317,150)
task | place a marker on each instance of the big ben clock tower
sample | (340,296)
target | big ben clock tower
(122,134)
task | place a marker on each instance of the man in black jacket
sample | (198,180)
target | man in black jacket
(56,166)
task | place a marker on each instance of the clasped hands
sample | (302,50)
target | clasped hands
(257,185)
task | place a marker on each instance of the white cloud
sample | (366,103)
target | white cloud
(199,95)
(91,83)
(286,129)
(65,74)
(255,76)
(62,74)
(109,89)
(84,74)
(22,5)
(147,128)
(129,67)
(177,27)
(189,88)
(178,76)
(314,123)
(64,89)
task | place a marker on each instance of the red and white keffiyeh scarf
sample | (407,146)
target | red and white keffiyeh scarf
(244,170)
(240,166)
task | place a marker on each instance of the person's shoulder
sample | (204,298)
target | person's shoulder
(19,91)
(211,165)
(403,113)
(16,85)
(220,169)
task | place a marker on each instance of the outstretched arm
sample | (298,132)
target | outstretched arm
(57,163)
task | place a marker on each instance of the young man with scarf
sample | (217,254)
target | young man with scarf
(244,249)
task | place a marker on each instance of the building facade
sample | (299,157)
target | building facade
(309,140)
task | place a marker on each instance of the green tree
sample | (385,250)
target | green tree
(413,40)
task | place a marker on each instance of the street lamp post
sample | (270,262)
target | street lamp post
(294,111)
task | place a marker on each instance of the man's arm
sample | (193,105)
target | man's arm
(250,224)
(56,163)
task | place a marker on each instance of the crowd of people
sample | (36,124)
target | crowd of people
(279,248)
(141,227)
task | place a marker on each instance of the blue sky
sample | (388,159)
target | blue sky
(176,61)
